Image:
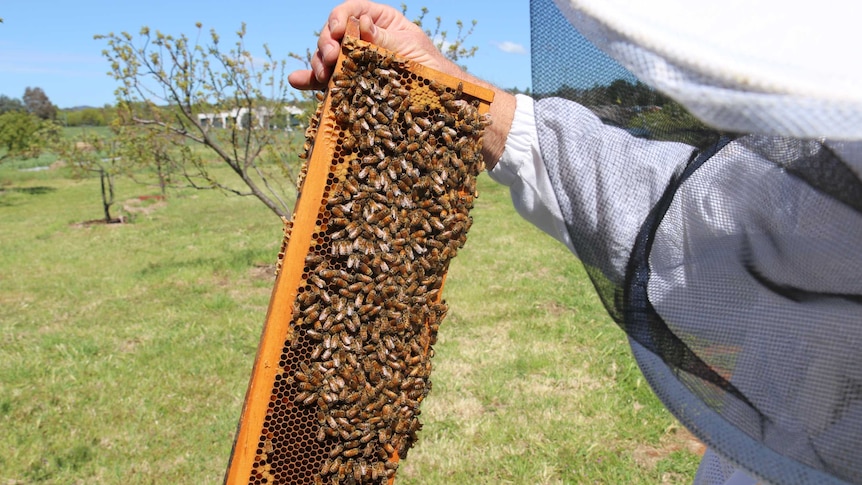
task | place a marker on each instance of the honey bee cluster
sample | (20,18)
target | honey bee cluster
(356,365)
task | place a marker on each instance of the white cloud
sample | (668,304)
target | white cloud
(510,47)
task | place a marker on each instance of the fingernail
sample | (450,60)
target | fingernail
(333,23)
(318,73)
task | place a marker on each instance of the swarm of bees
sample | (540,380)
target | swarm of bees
(355,368)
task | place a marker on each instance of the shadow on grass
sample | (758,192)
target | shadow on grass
(98,222)
(7,198)
(38,190)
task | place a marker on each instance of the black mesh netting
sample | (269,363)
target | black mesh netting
(732,261)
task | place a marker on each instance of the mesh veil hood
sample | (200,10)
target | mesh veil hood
(741,293)
(786,68)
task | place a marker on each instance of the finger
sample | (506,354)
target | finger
(319,67)
(370,32)
(327,46)
(304,80)
(337,23)
(367,30)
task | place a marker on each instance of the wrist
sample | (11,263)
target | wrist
(502,113)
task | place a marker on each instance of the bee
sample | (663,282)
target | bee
(377,471)
(327,465)
(447,138)
(353,260)
(364,268)
(367,308)
(346,339)
(309,399)
(342,83)
(339,221)
(366,437)
(349,64)
(335,466)
(352,398)
(329,273)
(352,361)
(316,351)
(325,296)
(381,117)
(351,452)
(342,248)
(314,335)
(423,123)
(301,376)
(327,342)
(397,102)
(364,172)
(363,83)
(416,108)
(383,133)
(349,143)
(339,282)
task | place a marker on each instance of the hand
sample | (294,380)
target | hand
(381,25)
(386,27)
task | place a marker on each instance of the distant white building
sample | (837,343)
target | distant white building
(244,118)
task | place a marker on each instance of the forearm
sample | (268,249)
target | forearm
(502,112)
(592,186)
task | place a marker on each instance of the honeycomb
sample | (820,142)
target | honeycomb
(344,363)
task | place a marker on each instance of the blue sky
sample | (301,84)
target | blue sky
(49,43)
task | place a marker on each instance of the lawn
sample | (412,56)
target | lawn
(126,348)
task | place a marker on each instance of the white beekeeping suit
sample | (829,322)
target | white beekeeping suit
(729,253)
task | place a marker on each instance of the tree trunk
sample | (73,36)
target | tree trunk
(160,170)
(107,194)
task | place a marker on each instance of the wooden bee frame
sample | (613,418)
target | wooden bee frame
(343,361)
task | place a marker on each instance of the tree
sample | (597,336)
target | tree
(173,97)
(151,149)
(94,154)
(36,102)
(186,108)
(454,49)
(23,135)
(10,104)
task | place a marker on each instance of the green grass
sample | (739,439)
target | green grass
(125,350)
